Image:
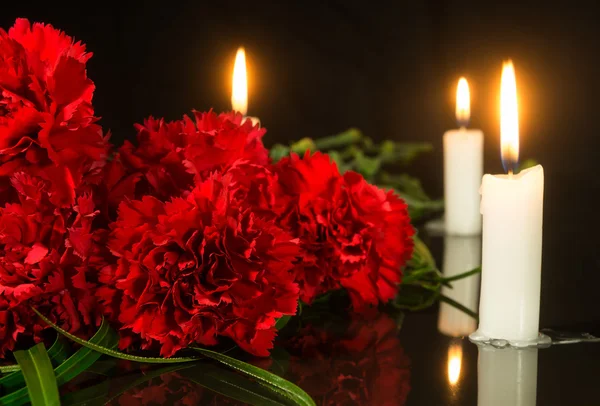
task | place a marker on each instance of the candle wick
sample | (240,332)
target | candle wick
(510,174)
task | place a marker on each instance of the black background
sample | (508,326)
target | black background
(390,69)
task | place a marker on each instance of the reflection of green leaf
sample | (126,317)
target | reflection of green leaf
(273,381)
(39,375)
(234,386)
(280,361)
(97,394)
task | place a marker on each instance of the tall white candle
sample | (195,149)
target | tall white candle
(463,168)
(461,254)
(512,208)
(507,376)
(239,87)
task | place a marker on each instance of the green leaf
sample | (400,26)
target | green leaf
(73,366)
(58,352)
(462,275)
(278,152)
(527,163)
(402,152)
(39,375)
(283,386)
(85,357)
(343,139)
(305,144)
(421,255)
(459,306)
(116,354)
(282,322)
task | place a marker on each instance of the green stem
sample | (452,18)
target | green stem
(462,275)
(459,306)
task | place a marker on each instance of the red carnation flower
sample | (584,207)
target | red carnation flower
(169,156)
(354,235)
(46,118)
(363,364)
(48,260)
(192,270)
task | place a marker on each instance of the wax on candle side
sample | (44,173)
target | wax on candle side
(463,169)
(512,209)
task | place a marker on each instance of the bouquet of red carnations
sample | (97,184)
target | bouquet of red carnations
(186,236)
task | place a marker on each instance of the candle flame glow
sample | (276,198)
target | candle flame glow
(454,363)
(509,118)
(239,90)
(463,102)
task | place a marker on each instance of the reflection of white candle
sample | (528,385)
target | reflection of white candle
(239,88)
(507,376)
(512,207)
(463,168)
(461,254)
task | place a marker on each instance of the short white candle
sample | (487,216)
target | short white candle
(512,208)
(463,168)
(461,254)
(239,88)
(507,376)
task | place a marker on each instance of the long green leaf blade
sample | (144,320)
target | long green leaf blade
(85,357)
(116,354)
(292,391)
(72,367)
(58,353)
(39,375)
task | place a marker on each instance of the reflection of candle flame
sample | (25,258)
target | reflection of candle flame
(454,363)
(239,91)
(509,118)
(463,102)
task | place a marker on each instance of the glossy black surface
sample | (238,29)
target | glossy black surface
(378,359)
(319,67)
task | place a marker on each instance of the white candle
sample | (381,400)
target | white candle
(512,208)
(463,168)
(507,376)
(239,88)
(461,254)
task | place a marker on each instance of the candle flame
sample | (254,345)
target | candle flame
(239,91)
(509,118)
(454,363)
(463,102)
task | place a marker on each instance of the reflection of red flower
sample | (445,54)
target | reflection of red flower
(194,269)
(46,118)
(167,389)
(364,365)
(48,259)
(355,235)
(170,155)
(172,388)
